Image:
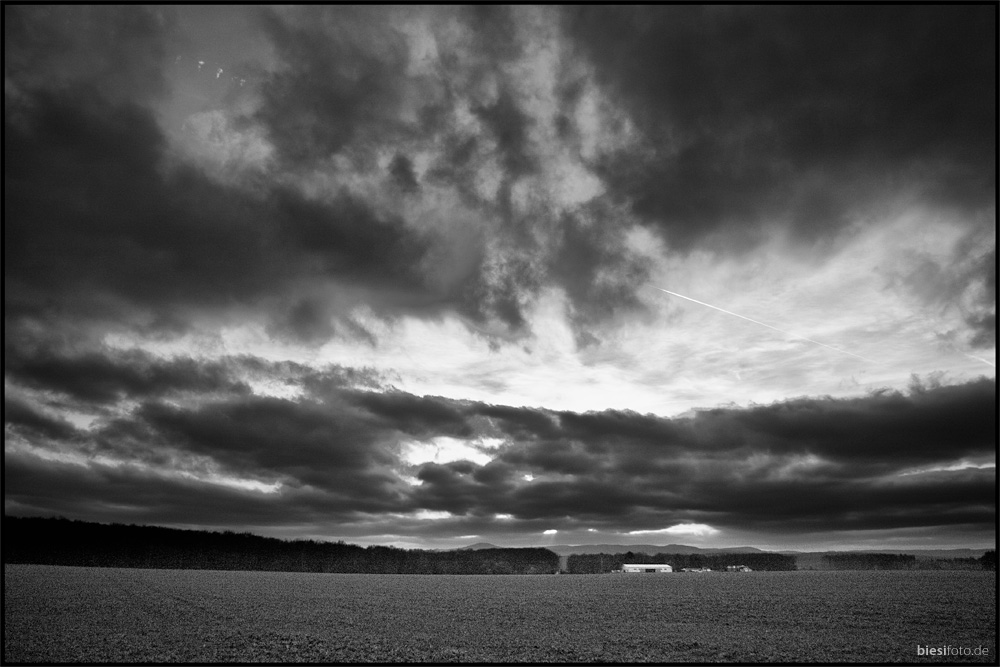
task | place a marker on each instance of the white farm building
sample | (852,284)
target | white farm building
(647,567)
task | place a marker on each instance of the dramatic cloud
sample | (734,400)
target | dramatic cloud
(696,529)
(804,115)
(93,220)
(963,280)
(119,52)
(390,273)
(882,461)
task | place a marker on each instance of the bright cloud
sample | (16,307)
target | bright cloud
(692,529)
(431,310)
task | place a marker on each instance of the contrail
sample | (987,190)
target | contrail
(988,363)
(787,333)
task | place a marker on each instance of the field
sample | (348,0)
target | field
(69,614)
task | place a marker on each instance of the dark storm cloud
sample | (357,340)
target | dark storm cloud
(985,327)
(342,90)
(500,293)
(333,460)
(22,416)
(750,114)
(117,50)
(346,237)
(794,114)
(103,224)
(921,428)
(522,422)
(134,495)
(401,171)
(509,126)
(342,84)
(495,28)
(965,280)
(419,416)
(597,270)
(105,221)
(797,463)
(102,378)
(98,378)
(269,437)
(100,225)
(807,464)
(91,219)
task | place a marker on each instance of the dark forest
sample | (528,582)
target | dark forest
(63,542)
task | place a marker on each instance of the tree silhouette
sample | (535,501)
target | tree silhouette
(59,541)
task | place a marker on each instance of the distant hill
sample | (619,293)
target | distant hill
(478,545)
(568,549)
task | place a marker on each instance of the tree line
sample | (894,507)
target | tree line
(601,563)
(885,561)
(988,561)
(59,541)
(868,561)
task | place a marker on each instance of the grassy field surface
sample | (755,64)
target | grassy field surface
(68,614)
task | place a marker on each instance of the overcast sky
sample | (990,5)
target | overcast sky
(396,274)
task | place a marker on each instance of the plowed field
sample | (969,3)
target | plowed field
(67,614)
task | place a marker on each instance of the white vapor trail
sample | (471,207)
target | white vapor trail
(787,333)
(985,361)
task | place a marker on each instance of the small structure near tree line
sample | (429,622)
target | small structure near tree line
(646,567)
(659,568)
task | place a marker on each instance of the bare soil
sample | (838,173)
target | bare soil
(70,614)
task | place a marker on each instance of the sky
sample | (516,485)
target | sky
(429,276)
